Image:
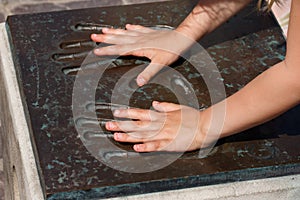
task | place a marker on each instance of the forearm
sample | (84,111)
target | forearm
(268,95)
(264,98)
(208,15)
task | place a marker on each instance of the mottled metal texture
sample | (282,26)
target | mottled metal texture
(242,49)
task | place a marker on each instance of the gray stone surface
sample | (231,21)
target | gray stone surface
(11,7)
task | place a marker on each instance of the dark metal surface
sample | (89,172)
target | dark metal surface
(48,48)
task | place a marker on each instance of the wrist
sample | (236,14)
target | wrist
(204,128)
(191,30)
(197,23)
(209,130)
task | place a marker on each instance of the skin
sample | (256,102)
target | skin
(166,127)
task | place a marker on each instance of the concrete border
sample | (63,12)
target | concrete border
(279,188)
(21,174)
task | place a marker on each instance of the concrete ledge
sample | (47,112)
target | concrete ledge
(21,174)
(279,188)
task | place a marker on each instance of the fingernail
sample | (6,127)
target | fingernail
(141,81)
(116,112)
(94,35)
(137,147)
(155,103)
(97,51)
(117,136)
(110,125)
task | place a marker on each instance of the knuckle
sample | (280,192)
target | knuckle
(139,123)
(156,146)
(139,53)
(146,114)
(130,113)
(148,147)
(138,112)
(102,37)
(125,137)
(136,26)
(124,113)
(116,31)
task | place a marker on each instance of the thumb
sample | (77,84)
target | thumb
(148,73)
(165,107)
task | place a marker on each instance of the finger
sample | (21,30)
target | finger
(130,126)
(120,49)
(96,37)
(116,31)
(137,137)
(138,28)
(119,32)
(165,107)
(139,114)
(113,38)
(148,73)
(149,146)
(114,50)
